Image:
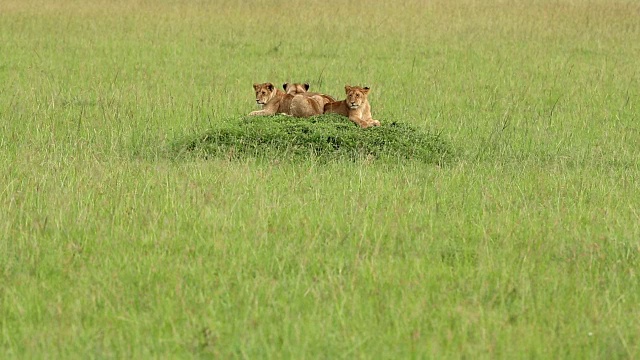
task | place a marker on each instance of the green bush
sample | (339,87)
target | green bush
(323,137)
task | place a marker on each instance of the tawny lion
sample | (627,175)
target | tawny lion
(356,107)
(276,101)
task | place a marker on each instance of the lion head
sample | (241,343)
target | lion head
(356,96)
(264,92)
(294,89)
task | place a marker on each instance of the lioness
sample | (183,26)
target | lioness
(275,101)
(309,104)
(356,107)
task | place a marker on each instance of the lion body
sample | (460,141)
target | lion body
(309,104)
(356,107)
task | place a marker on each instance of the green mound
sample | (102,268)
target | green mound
(323,137)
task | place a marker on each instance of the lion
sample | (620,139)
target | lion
(356,107)
(276,101)
(309,104)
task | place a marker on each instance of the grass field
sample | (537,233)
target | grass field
(527,245)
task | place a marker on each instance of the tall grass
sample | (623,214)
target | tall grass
(525,246)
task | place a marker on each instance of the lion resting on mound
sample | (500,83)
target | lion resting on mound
(275,101)
(356,107)
(309,104)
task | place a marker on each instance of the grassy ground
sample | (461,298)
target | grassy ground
(526,246)
(319,138)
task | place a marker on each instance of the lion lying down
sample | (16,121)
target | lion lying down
(297,101)
(275,101)
(356,107)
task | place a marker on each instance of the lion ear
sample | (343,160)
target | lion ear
(270,86)
(284,86)
(256,86)
(365,90)
(347,88)
(306,86)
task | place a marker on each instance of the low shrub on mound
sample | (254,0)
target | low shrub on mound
(323,137)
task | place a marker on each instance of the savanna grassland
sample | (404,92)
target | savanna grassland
(115,245)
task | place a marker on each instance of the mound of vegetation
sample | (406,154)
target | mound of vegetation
(323,137)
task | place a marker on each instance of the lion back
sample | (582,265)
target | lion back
(307,105)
